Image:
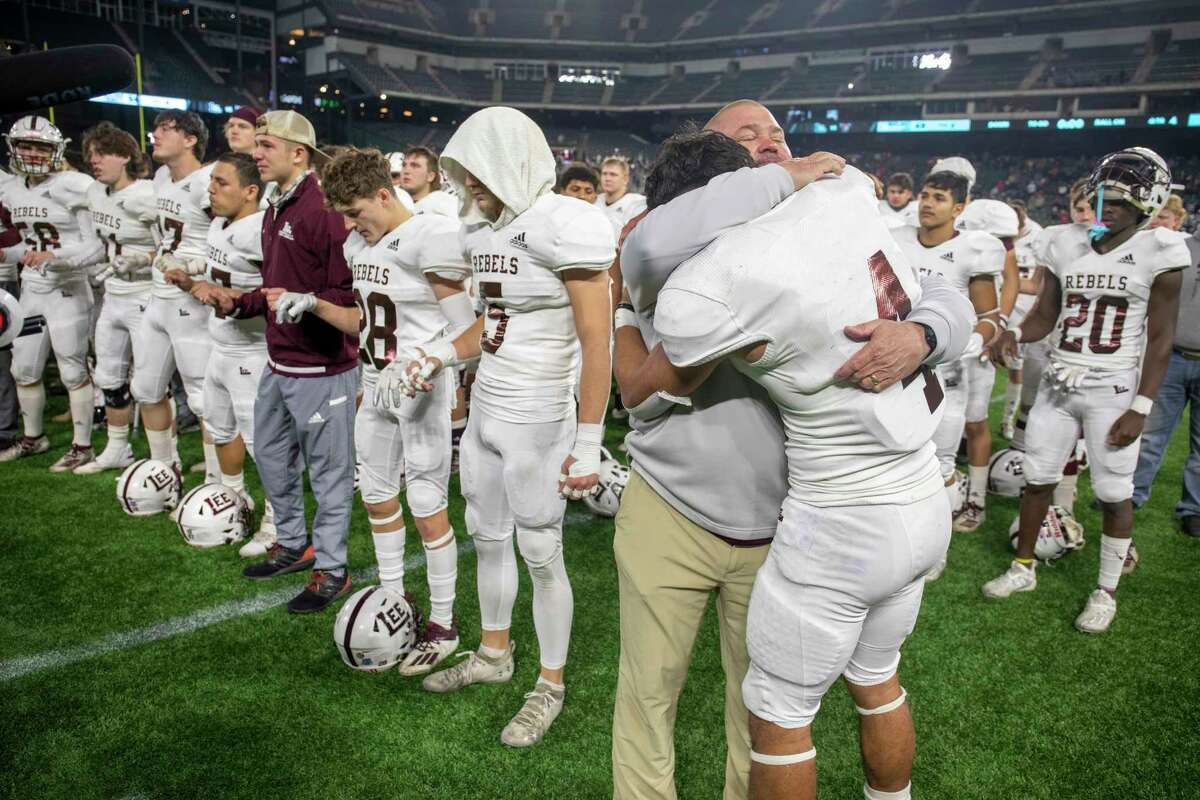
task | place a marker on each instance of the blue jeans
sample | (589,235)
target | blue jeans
(1181,385)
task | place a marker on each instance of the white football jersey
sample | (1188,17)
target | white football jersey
(126,222)
(53,216)
(1025,248)
(184,216)
(1105,297)
(530,347)
(794,278)
(234,256)
(439,202)
(626,208)
(897,219)
(397,308)
(958,259)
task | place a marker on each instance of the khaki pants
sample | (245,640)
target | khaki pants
(668,567)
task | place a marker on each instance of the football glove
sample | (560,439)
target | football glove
(126,266)
(169,261)
(1066,377)
(974,346)
(291,306)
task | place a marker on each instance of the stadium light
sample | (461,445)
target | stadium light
(383,97)
(433,119)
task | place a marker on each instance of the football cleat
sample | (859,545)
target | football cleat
(473,668)
(322,589)
(1131,560)
(75,457)
(25,446)
(969,519)
(1018,578)
(264,537)
(110,458)
(280,561)
(542,707)
(435,646)
(1098,614)
(1008,428)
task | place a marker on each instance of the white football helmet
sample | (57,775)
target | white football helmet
(375,629)
(212,515)
(990,216)
(613,477)
(12,318)
(1137,175)
(1060,534)
(31,128)
(1006,473)
(959,166)
(148,487)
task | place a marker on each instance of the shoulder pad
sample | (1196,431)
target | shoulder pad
(579,234)
(70,189)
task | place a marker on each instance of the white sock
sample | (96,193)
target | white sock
(212,466)
(1064,493)
(162,446)
(118,437)
(1012,396)
(491,652)
(556,687)
(1112,558)
(441,569)
(81,414)
(268,518)
(876,794)
(389,554)
(236,482)
(977,487)
(32,400)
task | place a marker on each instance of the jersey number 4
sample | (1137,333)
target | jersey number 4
(892,302)
(1099,311)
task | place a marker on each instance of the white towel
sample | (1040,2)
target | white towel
(508,153)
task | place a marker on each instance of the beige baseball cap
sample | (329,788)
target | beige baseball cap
(291,126)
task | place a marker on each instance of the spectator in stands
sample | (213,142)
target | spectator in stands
(239,130)
(579,181)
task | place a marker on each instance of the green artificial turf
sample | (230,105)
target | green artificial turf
(1009,700)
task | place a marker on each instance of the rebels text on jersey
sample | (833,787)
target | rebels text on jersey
(53,217)
(234,256)
(530,357)
(125,222)
(397,309)
(794,278)
(184,216)
(1106,296)
(965,255)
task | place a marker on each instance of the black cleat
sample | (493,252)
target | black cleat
(280,561)
(321,590)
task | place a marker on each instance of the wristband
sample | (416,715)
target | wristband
(588,438)
(443,350)
(625,317)
(1003,321)
(1141,405)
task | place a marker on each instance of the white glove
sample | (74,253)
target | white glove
(974,346)
(389,387)
(125,266)
(1067,378)
(292,305)
(588,438)
(429,361)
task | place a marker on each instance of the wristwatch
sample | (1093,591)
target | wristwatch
(930,338)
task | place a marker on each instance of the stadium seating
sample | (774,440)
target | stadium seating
(987,72)
(1179,62)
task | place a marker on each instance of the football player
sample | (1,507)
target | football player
(898,206)
(579,181)
(1110,293)
(174,332)
(233,265)
(541,261)
(48,204)
(239,130)
(408,287)
(423,182)
(971,260)
(615,200)
(1023,249)
(124,215)
(865,517)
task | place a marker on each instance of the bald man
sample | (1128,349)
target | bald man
(709,477)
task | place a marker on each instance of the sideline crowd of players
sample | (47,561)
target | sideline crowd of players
(381,321)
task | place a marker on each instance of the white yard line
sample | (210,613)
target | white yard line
(127,640)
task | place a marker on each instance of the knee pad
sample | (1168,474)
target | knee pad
(425,497)
(73,372)
(375,491)
(145,392)
(870,674)
(1111,490)
(540,547)
(118,397)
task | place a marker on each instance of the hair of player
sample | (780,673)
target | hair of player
(1021,209)
(578,172)
(247,170)
(1079,190)
(620,161)
(689,159)
(188,123)
(901,180)
(950,182)
(107,139)
(354,174)
(431,163)
(1175,206)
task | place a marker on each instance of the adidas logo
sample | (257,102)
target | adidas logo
(518,241)
(1127,259)
(286,231)
(394,245)
(243,371)
(948,257)
(316,418)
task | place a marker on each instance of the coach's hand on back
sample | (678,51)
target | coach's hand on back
(813,167)
(894,350)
